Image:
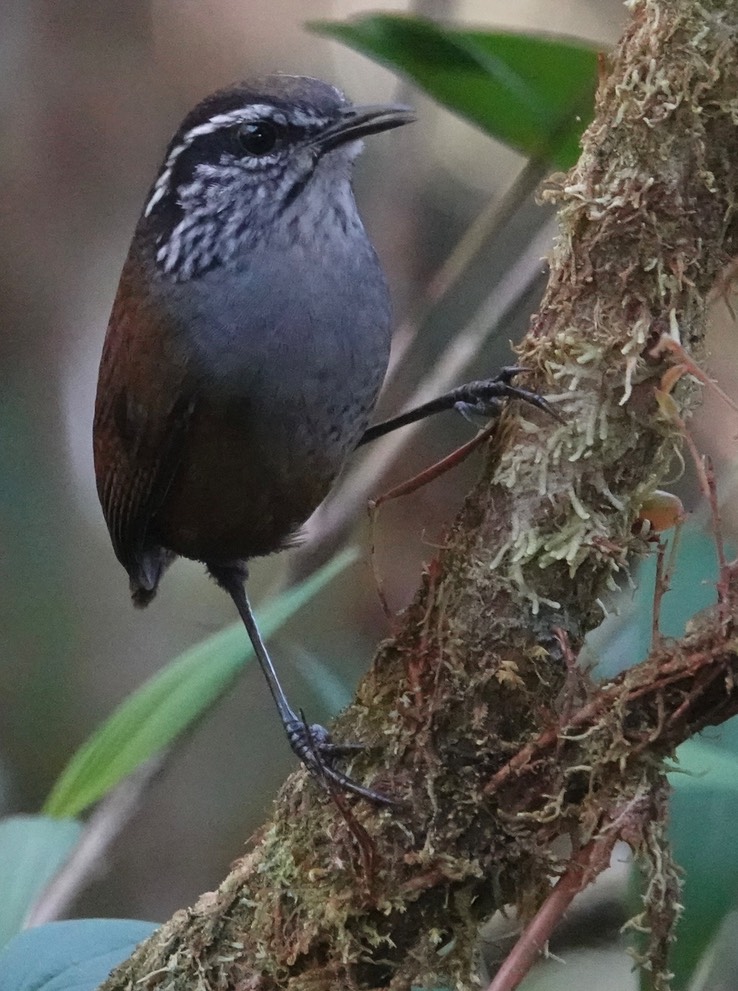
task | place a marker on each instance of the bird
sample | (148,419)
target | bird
(245,351)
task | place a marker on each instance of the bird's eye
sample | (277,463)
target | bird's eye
(258,137)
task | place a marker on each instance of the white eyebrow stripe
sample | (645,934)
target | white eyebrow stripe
(254,111)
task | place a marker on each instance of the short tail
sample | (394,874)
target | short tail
(142,596)
(145,575)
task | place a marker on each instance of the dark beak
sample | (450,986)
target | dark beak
(357,122)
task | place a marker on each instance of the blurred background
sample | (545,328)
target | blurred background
(90,92)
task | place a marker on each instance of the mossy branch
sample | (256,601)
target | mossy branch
(475,727)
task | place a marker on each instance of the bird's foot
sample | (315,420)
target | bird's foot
(316,750)
(487,397)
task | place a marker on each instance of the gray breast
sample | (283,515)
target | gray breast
(303,340)
(284,369)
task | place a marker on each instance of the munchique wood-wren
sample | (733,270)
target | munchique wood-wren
(246,347)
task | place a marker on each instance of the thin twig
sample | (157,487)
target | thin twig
(666,343)
(660,588)
(636,685)
(706,478)
(434,471)
(101,830)
(585,865)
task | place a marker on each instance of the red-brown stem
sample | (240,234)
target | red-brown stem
(584,866)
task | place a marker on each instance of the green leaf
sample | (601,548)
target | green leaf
(32,849)
(719,966)
(75,955)
(333,691)
(534,92)
(172,701)
(707,767)
(704,811)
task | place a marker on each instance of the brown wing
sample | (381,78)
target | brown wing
(142,412)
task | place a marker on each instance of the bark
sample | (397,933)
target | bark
(476,724)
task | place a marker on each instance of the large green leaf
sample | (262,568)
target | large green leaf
(32,849)
(534,92)
(171,701)
(704,811)
(76,955)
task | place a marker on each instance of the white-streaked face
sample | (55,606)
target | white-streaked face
(257,165)
(233,174)
(258,134)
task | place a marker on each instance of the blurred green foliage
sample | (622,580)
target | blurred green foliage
(532,92)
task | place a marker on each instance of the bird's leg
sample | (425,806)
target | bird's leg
(311,743)
(485,398)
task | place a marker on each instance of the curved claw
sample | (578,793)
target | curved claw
(535,400)
(508,373)
(484,397)
(313,745)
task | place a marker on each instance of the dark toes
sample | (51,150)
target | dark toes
(307,741)
(330,750)
(313,745)
(481,408)
(486,398)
